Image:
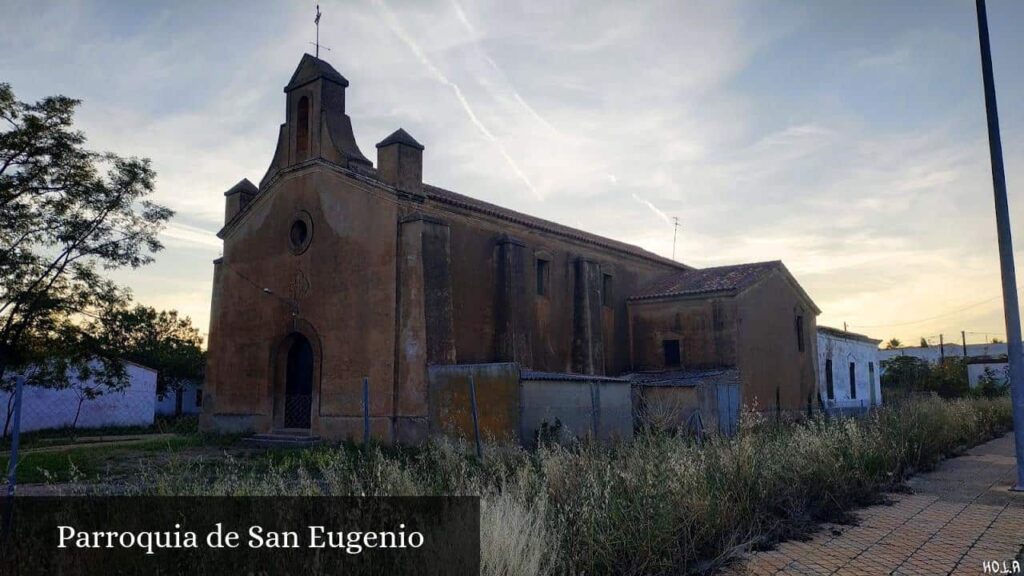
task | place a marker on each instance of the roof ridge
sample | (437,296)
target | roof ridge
(462,200)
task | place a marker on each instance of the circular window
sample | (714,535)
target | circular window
(300,233)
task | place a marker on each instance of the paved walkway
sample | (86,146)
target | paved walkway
(958,517)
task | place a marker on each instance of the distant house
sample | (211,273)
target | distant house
(849,370)
(48,408)
(979,357)
(188,400)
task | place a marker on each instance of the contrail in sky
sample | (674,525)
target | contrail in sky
(653,208)
(396,27)
(461,15)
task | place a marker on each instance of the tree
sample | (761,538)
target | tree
(924,342)
(893,344)
(997,340)
(159,340)
(65,213)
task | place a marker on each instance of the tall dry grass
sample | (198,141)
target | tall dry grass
(658,505)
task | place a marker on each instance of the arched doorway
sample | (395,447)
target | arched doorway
(298,387)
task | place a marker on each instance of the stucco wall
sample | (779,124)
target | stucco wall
(976,371)
(770,361)
(843,352)
(497,398)
(339,293)
(581,407)
(190,401)
(46,408)
(705,328)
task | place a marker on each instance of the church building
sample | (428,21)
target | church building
(338,270)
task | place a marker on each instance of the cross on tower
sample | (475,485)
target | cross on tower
(317,43)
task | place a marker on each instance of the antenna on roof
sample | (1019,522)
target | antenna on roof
(675,231)
(317,43)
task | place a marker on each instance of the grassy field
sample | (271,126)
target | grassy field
(661,504)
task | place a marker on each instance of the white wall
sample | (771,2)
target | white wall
(842,352)
(166,406)
(976,371)
(934,353)
(46,408)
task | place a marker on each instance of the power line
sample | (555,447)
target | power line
(954,312)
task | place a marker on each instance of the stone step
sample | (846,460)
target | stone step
(282,440)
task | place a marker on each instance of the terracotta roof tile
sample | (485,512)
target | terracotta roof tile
(732,278)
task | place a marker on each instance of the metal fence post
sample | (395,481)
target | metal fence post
(12,462)
(476,419)
(366,413)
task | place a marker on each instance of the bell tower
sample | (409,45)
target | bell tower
(316,125)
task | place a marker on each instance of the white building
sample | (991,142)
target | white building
(849,370)
(46,408)
(978,356)
(191,400)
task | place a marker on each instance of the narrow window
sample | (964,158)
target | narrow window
(672,355)
(302,135)
(853,381)
(871,374)
(199,397)
(543,277)
(606,290)
(800,333)
(829,380)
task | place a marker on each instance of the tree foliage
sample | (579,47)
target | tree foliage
(66,214)
(906,375)
(161,340)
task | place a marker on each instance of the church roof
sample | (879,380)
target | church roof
(312,68)
(244,185)
(464,202)
(400,137)
(734,278)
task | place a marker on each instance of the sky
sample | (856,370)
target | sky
(847,139)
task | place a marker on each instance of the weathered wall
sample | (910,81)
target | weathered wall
(580,406)
(498,315)
(867,372)
(770,362)
(341,290)
(705,328)
(497,398)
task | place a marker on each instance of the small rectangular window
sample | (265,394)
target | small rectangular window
(543,277)
(672,356)
(607,296)
(199,397)
(800,333)
(853,381)
(829,380)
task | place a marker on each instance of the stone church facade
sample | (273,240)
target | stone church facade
(335,269)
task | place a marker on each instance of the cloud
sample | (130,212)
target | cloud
(399,31)
(774,133)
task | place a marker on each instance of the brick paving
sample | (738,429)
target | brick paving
(958,517)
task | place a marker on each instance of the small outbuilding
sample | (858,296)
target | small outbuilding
(849,371)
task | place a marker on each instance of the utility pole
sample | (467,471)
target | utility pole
(1011,310)
(942,349)
(675,231)
(963,338)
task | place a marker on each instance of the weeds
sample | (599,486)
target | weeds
(660,504)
